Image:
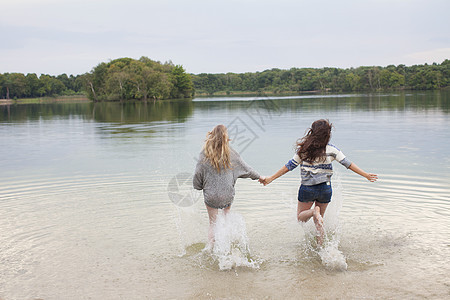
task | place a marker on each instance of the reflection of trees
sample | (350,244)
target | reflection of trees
(399,101)
(26,112)
(128,112)
(136,112)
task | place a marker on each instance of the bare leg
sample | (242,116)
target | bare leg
(226,210)
(323,207)
(319,211)
(318,220)
(212,214)
(304,211)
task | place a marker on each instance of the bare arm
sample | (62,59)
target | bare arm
(369,176)
(279,173)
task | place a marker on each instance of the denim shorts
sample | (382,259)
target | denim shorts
(320,192)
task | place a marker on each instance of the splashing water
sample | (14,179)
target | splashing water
(331,257)
(231,243)
(231,246)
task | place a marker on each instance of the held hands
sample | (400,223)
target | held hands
(265,180)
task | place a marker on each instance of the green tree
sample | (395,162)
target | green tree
(16,85)
(2,86)
(182,83)
(32,85)
(126,79)
(351,82)
(391,79)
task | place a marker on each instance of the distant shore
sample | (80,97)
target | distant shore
(255,93)
(44,100)
(82,98)
(291,93)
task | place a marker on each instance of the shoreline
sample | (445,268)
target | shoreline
(83,98)
(45,100)
(255,93)
(291,93)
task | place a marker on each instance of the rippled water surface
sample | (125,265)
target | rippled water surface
(96,202)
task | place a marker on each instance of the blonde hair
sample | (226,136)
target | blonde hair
(217,149)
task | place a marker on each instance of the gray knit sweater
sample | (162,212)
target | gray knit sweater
(218,187)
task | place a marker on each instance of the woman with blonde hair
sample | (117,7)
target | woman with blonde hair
(218,168)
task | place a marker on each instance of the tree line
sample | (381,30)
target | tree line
(18,85)
(295,80)
(142,79)
(119,79)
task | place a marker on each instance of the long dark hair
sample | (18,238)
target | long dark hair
(313,144)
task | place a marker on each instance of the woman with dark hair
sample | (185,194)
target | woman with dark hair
(314,155)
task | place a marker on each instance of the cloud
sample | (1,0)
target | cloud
(72,36)
(430,56)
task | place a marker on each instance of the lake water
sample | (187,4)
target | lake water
(96,201)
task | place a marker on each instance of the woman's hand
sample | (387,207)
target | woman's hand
(371,177)
(262,180)
(265,180)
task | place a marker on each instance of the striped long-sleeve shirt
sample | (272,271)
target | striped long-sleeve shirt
(321,171)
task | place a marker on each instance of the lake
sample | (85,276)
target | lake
(96,200)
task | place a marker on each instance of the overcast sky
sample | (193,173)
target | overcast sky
(211,36)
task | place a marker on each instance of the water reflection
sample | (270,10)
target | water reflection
(112,112)
(29,112)
(139,112)
(181,110)
(365,102)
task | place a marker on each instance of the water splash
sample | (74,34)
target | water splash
(231,247)
(330,255)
